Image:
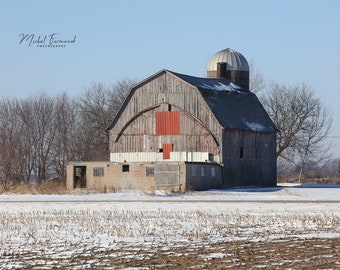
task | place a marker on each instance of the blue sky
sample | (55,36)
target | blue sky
(289,41)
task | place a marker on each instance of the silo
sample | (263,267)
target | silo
(231,65)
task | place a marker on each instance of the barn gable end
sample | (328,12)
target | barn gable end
(165,99)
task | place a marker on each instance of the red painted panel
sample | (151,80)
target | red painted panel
(160,123)
(167,123)
(167,148)
(174,123)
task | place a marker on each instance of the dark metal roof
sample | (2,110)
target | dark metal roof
(233,106)
(217,84)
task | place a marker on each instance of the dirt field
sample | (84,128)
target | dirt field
(291,253)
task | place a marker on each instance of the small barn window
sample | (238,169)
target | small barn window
(193,171)
(213,172)
(125,168)
(241,152)
(202,171)
(150,171)
(99,171)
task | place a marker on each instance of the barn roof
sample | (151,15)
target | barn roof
(233,106)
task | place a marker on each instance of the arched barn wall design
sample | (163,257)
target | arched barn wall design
(169,100)
(140,134)
(183,132)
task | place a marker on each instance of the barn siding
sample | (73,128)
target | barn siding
(193,137)
(258,163)
(184,98)
(203,176)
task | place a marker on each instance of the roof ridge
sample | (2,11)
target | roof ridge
(217,84)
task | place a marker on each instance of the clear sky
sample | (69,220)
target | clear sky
(290,42)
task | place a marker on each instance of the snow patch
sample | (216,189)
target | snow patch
(256,126)
(235,86)
(218,87)
(67,231)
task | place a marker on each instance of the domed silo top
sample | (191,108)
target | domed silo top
(233,59)
(229,64)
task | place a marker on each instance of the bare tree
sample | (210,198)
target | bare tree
(119,91)
(257,82)
(40,134)
(67,139)
(93,108)
(302,120)
(312,146)
(97,107)
(33,138)
(11,130)
(38,115)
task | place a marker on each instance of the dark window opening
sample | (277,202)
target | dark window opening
(98,171)
(193,171)
(126,168)
(202,171)
(79,177)
(169,107)
(213,172)
(160,150)
(241,152)
(150,171)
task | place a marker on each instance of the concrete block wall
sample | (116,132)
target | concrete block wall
(116,178)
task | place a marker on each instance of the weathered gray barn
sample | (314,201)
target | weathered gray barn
(183,132)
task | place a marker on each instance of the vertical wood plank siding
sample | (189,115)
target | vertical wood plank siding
(258,164)
(140,135)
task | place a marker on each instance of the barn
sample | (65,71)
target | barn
(180,132)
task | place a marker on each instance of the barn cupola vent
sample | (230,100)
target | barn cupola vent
(229,64)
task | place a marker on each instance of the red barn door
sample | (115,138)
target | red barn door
(167,148)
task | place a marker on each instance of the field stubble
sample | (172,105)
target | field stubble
(155,239)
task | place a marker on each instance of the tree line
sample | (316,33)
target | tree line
(40,134)
(303,123)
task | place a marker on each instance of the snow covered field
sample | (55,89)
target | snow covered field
(287,226)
